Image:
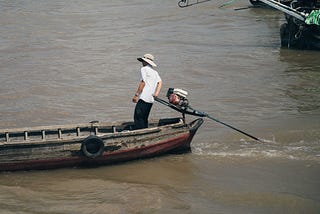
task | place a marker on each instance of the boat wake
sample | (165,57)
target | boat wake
(300,150)
(262,140)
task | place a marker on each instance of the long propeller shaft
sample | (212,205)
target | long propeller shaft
(191,111)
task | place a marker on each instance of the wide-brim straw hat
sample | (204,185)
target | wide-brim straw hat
(148,58)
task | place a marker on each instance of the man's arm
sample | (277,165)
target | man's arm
(158,88)
(139,90)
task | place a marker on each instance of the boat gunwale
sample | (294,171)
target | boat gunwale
(80,125)
(77,139)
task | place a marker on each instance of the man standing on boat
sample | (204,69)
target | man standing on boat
(149,87)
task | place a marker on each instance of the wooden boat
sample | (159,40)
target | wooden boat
(299,32)
(92,144)
(302,29)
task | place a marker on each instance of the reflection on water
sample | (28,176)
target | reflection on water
(306,93)
(304,74)
(174,184)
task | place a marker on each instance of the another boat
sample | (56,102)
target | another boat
(92,144)
(302,33)
(302,29)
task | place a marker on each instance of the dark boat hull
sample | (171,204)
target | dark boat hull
(296,34)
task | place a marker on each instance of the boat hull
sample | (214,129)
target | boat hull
(117,147)
(298,35)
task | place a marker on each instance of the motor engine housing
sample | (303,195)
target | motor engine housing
(178,97)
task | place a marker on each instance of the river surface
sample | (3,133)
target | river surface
(74,61)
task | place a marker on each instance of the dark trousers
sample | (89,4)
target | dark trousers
(141,114)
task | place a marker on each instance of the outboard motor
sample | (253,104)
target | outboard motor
(179,102)
(178,97)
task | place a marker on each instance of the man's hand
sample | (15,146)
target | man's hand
(135,99)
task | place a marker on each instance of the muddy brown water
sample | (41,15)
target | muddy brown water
(65,62)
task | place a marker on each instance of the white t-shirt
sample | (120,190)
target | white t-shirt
(151,78)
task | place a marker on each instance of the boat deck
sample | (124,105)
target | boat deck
(73,131)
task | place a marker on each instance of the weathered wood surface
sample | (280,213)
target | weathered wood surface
(50,144)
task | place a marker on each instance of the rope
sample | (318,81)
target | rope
(185,3)
(227,3)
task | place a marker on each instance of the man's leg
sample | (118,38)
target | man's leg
(138,116)
(141,114)
(147,110)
